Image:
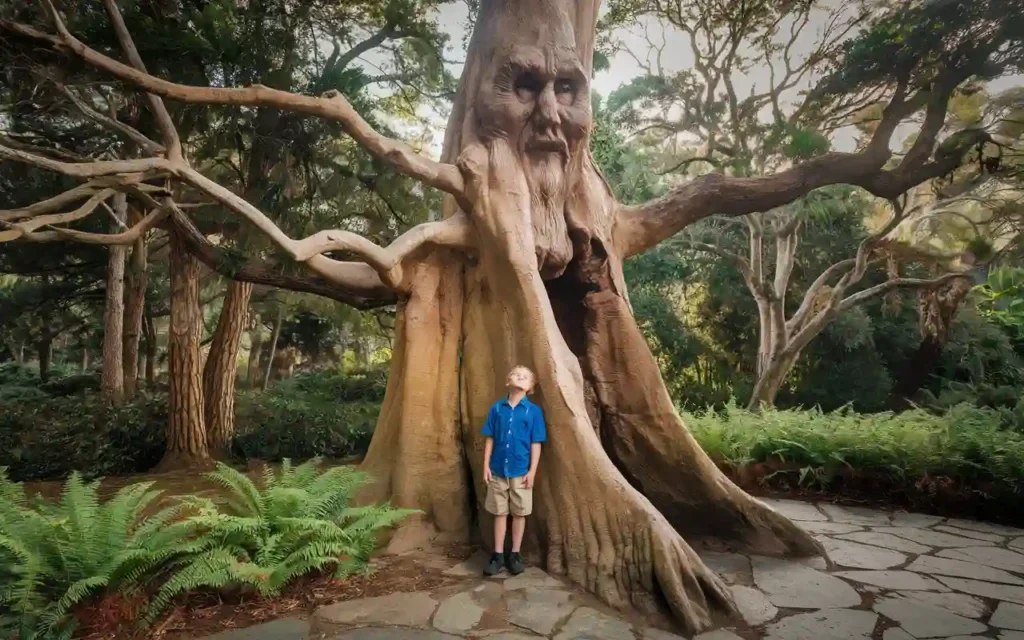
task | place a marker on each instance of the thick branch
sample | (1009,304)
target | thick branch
(896,283)
(128,237)
(332,106)
(797,321)
(366,292)
(86,169)
(15,231)
(50,204)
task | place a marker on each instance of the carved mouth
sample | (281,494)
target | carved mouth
(547,145)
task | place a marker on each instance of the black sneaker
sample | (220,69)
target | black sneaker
(515,564)
(493,567)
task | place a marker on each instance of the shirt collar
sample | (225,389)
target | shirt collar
(525,401)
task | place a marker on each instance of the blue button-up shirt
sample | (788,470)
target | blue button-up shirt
(514,429)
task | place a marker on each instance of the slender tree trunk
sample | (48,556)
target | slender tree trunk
(113,316)
(133,313)
(252,375)
(18,349)
(186,431)
(272,348)
(45,352)
(221,366)
(85,358)
(149,330)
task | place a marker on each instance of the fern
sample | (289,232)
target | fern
(56,555)
(299,521)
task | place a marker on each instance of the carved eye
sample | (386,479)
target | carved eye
(565,90)
(528,85)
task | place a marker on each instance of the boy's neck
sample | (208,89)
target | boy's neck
(515,395)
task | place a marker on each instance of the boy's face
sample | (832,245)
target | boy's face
(520,379)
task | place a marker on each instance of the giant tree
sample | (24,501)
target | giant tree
(524,265)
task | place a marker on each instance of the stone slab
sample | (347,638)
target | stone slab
(1008,616)
(1005,592)
(401,609)
(886,541)
(280,629)
(961,569)
(855,515)
(860,556)
(827,624)
(540,611)
(830,528)
(733,567)
(458,614)
(593,625)
(988,556)
(985,527)
(393,633)
(959,603)
(789,584)
(893,580)
(967,533)
(895,633)
(929,537)
(473,566)
(1011,635)
(718,634)
(908,519)
(650,633)
(532,578)
(795,510)
(922,620)
(753,605)
(511,635)
(1017,543)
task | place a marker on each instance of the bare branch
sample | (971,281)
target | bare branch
(332,106)
(15,231)
(111,123)
(797,321)
(172,143)
(897,283)
(50,204)
(88,169)
(128,237)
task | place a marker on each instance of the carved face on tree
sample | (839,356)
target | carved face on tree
(534,103)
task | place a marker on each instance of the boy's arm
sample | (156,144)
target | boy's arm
(488,449)
(538,434)
(488,432)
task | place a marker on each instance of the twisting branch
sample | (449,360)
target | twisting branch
(896,283)
(131,133)
(17,230)
(136,231)
(332,106)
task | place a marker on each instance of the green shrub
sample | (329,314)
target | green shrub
(966,443)
(299,522)
(49,439)
(57,555)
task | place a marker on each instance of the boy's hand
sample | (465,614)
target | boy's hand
(487,474)
(528,481)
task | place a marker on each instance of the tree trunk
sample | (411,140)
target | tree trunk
(937,308)
(620,477)
(186,432)
(149,330)
(252,375)
(272,349)
(85,357)
(45,350)
(221,365)
(133,313)
(113,316)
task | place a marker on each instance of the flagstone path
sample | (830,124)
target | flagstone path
(892,576)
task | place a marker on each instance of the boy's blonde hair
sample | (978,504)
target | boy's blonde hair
(519,367)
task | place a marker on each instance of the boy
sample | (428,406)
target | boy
(514,429)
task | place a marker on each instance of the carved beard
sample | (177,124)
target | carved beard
(546,175)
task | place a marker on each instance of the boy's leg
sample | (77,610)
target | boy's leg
(500,526)
(518,529)
(497,503)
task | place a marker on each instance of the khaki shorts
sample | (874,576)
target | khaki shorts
(507,495)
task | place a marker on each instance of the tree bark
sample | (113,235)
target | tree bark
(113,316)
(18,351)
(221,366)
(85,358)
(133,312)
(272,349)
(149,330)
(186,431)
(45,352)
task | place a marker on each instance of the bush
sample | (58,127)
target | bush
(299,522)
(48,439)
(966,444)
(56,555)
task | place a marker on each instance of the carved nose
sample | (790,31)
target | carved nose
(547,109)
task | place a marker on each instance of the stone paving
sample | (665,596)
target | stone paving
(890,576)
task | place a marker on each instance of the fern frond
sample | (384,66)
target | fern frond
(243,494)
